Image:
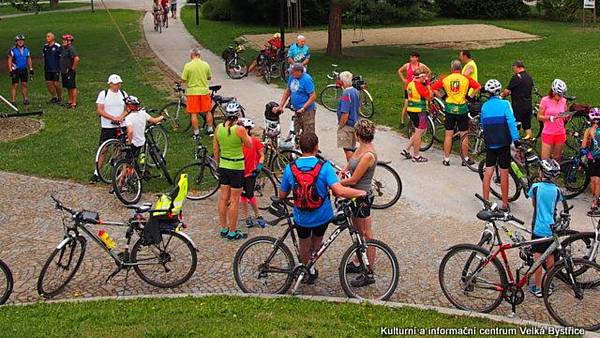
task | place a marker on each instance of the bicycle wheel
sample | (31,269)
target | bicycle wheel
(469,281)
(284,70)
(6,282)
(436,111)
(475,150)
(575,128)
(167,264)
(177,120)
(203,180)
(264,265)
(161,140)
(264,188)
(127,182)
(109,152)
(427,137)
(574,177)
(574,304)
(384,266)
(581,245)
(387,186)
(60,267)
(330,96)
(280,159)
(367,107)
(514,187)
(275,70)
(236,68)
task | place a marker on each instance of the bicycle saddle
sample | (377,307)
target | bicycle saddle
(215,88)
(140,208)
(223,99)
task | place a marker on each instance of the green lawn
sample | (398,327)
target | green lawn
(218,316)
(66,146)
(6,9)
(565,52)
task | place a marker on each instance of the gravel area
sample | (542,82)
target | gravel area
(14,128)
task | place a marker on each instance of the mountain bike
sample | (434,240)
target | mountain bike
(236,65)
(266,264)
(330,95)
(219,103)
(167,263)
(574,175)
(6,282)
(473,278)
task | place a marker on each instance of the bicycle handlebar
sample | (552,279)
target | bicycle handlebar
(496,214)
(58,205)
(485,202)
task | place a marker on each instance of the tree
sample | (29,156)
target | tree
(53,3)
(334,29)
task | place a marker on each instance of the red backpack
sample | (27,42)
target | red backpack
(306,196)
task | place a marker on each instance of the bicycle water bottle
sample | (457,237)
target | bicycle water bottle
(107,240)
(142,158)
(517,170)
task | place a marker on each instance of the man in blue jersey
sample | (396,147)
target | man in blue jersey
(20,68)
(301,93)
(51,51)
(299,52)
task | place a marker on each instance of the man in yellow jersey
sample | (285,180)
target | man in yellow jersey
(469,68)
(456,86)
(196,75)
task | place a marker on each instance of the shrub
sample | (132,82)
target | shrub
(217,10)
(562,10)
(388,11)
(491,9)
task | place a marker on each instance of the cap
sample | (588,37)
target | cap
(298,66)
(114,79)
(518,63)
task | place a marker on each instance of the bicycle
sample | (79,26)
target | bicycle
(6,282)
(269,66)
(162,264)
(482,281)
(331,94)
(236,66)
(265,264)
(574,174)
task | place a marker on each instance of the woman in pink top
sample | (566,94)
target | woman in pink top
(554,134)
(407,74)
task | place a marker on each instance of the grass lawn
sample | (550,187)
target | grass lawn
(564,52)
(7,9)
(66,147)
(218,316)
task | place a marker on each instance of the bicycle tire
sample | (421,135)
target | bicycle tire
(264,188)
(197,186)
(112,149)
(273,246)
(515,187)
(161,139)
(330,96)
(575,128)
(352,251)
(574,177)
(177,119)
(427,137)
(367,109)
(134,178)
(378,185)
(49,293)
(236,68)
(6,290)
(436,111)
(473,250)
(267,73)
(584,249)
(280,159)
(476,149)
(553,278)
(164,257)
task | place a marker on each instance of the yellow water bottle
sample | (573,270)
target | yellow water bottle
(142,158)
(107,240)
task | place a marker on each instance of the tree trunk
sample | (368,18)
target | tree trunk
(53,4)
(334,41)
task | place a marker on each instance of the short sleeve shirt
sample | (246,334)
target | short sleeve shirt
(113,105)
(552,107)
(300,90)
(546,195)
(349,103)
(67,54)
(299,54)
(19,57)
(327,178)
(137,121)
(52,57)
(197,74)
(252,156)
(520,87)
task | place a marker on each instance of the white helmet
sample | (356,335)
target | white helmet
(247,123)
(559,87)
(550,168)
(493,86)
(232,110)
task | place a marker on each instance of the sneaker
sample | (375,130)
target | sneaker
(363,279)
(196,137)
(94,179)
(249,222)
(261,222)
(224,232)
(210,131)
(406,154)
(351,268)
(467,162)
(504,209)
(446,163)
(310,280)
(535,291)
(235,235)
(53,100)
(593,212)
(26,102)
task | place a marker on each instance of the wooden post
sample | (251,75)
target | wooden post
(92,1)
(197,12)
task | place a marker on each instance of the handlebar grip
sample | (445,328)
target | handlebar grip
(486,203)
(513,218)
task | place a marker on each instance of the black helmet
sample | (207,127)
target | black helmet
(269,114)
(19,37)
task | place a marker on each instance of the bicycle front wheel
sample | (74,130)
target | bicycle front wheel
(61,266)
(264,189)
(127,182)
(203,180)
(330,96)
(471,282)
(574,304)
(475,149)
(383,267)
(574,178)
(167,264)
(107,155)
(263,265)
(514,187)
(161,140)
(367,107)
(6,282)
(177,120)
(281,159)
(387,186)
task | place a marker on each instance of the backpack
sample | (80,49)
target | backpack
(306,196)
(121,90)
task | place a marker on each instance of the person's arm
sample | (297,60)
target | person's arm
(425,91)
(10,62)
(284,99)
(340,191)
(512,122)
(474,85)
(129,134)
(101,112)
(286,185)
(364,164)
(514,81)
(209,75)
(401,71)
(468,71)
(75,63)
(586,138)
(243,134)
(155,120)
(437,86)
(184,75)
(343,120)
(427,70)
(30,64)
(216,147)
(311,99)
(542,113)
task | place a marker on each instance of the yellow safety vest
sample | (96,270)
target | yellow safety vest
(416,103)
(173,206)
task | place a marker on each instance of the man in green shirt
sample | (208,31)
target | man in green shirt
(196,75)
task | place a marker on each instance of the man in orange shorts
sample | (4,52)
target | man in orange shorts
(196,75)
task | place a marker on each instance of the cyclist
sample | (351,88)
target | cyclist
(299,52)
(519,88)
(545,196)
(362,168)
(456,87)
(254,158)
(419,93)
(271,49)
(51,51)
(69,61)
(20,67)
(499,131)
(347,113)
(301,92)
(136,121)
(407,74)
(173,9)
(590,146)
(110,106)
(228,143)
(470,67)
(164,4)
(197,74)
(310,180)
(554,134)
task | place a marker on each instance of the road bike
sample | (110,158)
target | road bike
(6,282)
(330,95)
(236,65)
(165,263)
(266,264)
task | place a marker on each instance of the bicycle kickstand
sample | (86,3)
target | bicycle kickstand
(125,284)
(114,273)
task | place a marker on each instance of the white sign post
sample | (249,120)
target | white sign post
(589,5)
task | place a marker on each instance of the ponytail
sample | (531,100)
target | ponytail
(231,120)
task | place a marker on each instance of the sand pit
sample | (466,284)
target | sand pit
(475,36)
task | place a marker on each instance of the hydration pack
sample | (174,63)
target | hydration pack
(306,196)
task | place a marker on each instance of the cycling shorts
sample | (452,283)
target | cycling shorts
(539,248)
(594,167)
(498,157)
(19,75)
(230,177)
(305,233)
(52,76)
(457,121)
(248,186)
(419,120)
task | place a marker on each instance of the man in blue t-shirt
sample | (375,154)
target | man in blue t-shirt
(299,52)
(301,92)
(51,51)
(19,68)
(347,113)
(311,225)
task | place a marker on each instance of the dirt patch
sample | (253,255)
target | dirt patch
(14,128)
(476,36)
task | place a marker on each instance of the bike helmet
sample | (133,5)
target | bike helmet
(247,123)
(132,101)
(68,37)
(559,87)
(232,110)
(19,37)
(594,115)
(493,87)
(549,168)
